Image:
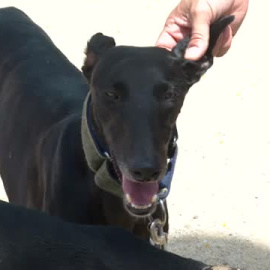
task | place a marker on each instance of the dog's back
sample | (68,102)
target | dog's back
(30,240)
(42,162)
(39,88)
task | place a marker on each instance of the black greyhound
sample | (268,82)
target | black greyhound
(30,240)
(125,134)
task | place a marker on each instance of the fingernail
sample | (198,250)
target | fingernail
(193,53)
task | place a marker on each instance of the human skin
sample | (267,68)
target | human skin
(194,17)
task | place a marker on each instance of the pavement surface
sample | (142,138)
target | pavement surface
(221,189)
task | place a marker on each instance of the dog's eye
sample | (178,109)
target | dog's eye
(165,91)
(112,94)
(170,95)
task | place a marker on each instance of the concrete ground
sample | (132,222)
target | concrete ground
(221,189)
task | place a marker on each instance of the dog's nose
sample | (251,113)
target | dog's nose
(145,174)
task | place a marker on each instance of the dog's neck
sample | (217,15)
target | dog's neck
(94,124)
(97,159)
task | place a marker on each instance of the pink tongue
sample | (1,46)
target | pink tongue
(140,193)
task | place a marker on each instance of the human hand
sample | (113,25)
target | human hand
(194,17)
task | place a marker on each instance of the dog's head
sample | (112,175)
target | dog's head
(136,96)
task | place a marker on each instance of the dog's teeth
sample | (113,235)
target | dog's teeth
(141,206)
(128,198)
(154,199)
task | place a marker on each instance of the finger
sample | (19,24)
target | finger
(166,41)
(199,37)
(175,29)
(171,34)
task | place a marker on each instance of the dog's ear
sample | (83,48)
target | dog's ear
(96,47)
(193,70)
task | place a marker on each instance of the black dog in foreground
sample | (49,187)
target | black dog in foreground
(81,162)
(30,240)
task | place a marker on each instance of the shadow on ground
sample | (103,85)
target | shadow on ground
(248,255)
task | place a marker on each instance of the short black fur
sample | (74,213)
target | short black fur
(30,240)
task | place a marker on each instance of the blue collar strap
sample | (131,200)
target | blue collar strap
(99,161)
(165,183)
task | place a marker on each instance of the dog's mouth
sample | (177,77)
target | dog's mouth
(140,198)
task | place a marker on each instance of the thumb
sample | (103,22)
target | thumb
(199,39)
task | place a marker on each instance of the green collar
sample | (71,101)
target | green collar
(97,161)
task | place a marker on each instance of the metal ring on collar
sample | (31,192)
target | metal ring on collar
(158,237)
